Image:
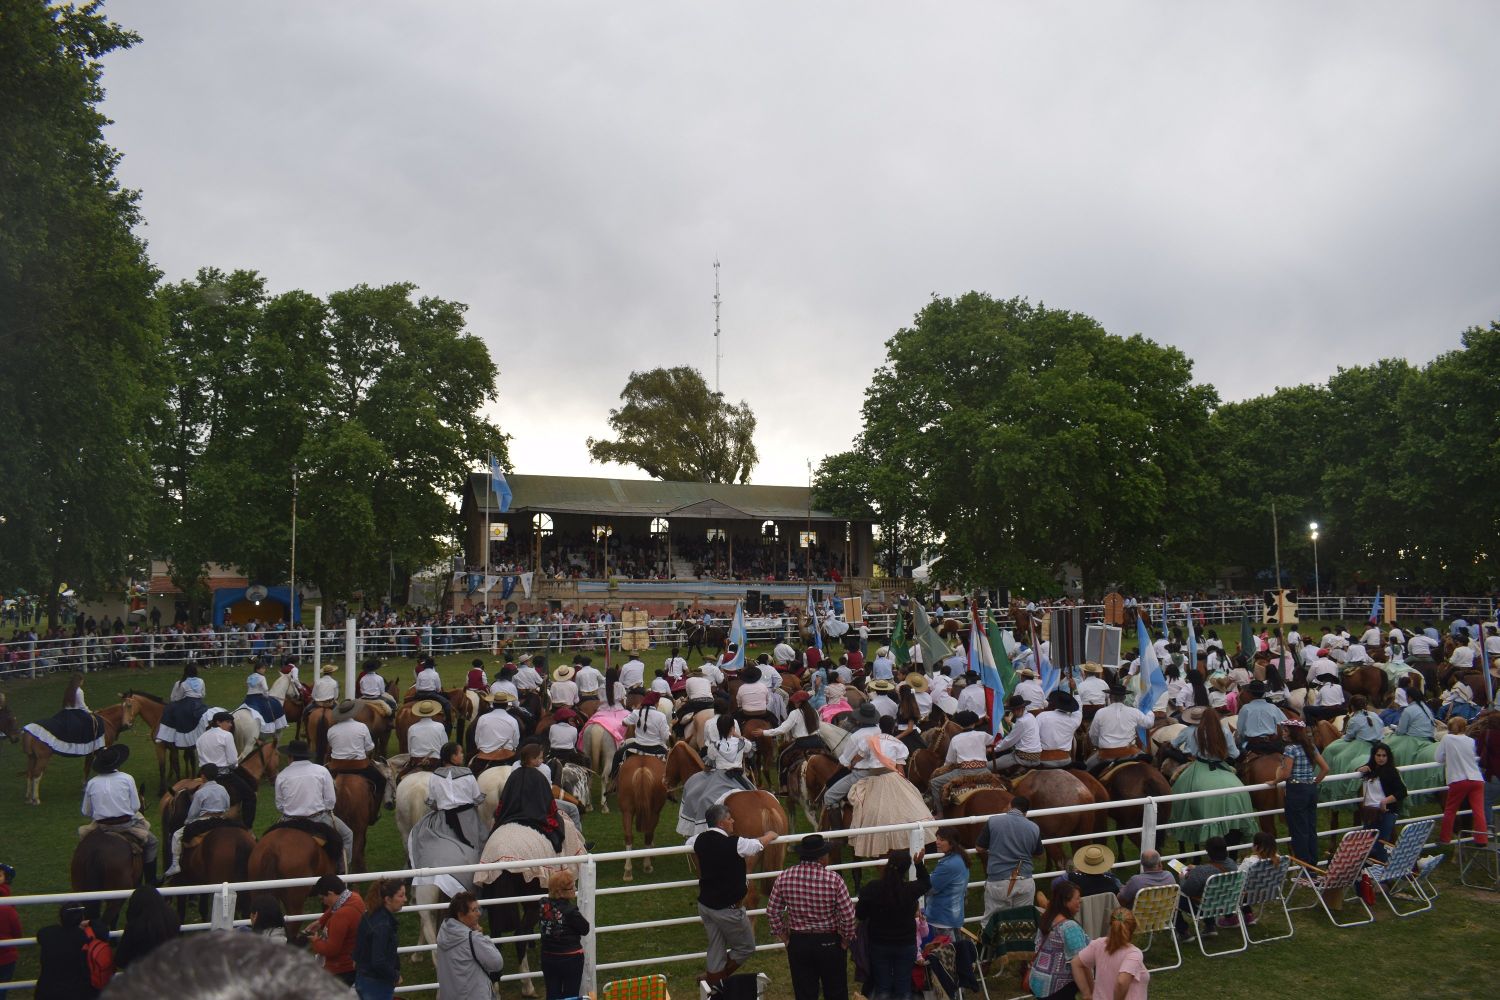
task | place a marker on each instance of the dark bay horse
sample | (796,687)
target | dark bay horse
(219,854)
(290,853)
(104,860)
(355,803)
(1135,780)
(700,639)
(10,728)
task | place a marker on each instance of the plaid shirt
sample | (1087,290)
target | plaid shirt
(809,899)
(1303,771)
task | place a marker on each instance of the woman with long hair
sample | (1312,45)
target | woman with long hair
(1112,967)
(802,727)
(888,906)
(74,731)
(1059,939)
(150,921)
(909,720)
(1211,746)
(377,966)
(1382,793)
(1303,770)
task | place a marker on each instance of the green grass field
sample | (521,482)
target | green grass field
(1448,952)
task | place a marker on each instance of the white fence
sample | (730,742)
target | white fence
(223,648)
(224,895)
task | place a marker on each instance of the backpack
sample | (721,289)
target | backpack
(100,958)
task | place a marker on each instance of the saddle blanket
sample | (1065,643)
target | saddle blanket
(514,842)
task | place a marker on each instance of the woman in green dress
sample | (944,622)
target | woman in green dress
(1211,746)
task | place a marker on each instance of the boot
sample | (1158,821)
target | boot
(713,979)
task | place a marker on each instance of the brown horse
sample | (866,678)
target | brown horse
(754,730)
(1259,769)
(982,802)
(1049,788)
(755,813)
(1372,682)
(642,791)
(805,785)
(1135,780)
(10,728)
(355,803)
(221,854)
(149,709)
(319,718)
(104,860)
(115,719)
(290,853)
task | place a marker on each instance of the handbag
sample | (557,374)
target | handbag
(494,977)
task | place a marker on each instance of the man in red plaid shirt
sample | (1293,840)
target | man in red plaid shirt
(811,912)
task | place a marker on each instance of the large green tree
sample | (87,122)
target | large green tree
(674,427)
(1018,440)
(79,330)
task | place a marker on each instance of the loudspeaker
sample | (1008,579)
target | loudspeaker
(752,602)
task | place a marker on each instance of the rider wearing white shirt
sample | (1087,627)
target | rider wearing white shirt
(216,745)
(497,730)
(1022,746)
(589,679)
(111,800)
(1093,689)
(633,673)
(1114,727)
(1031,690)
(305,790)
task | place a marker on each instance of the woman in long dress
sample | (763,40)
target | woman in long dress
(258,700)
(74,731)
(725,758)
(1211,746)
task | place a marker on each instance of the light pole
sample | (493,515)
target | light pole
(1317,584)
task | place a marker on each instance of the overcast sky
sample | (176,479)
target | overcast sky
(1276,189)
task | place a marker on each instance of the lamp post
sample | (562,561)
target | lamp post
(1317,584)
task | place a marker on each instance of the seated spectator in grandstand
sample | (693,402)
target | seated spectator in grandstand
(1152,873)
(150,921)
(223,965)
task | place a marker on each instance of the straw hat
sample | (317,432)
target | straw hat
(882,685)
(917,682)
(502,696)
(883,651)
(1094,668)
(563,673)
(426,709)
(1094,859)
(1026,672)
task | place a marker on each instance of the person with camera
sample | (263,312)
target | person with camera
(467,960)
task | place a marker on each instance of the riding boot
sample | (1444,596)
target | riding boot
(714,978)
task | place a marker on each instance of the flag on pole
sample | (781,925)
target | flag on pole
(1165,633)
(1375,608)
(1050,675)
(737,638)
(499,485)
(934,649)
(898,640)
(1247,638)
(1002,656)
(982,662)
(1192,663)
(812,616)
(1153,680)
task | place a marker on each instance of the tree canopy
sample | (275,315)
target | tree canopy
(673,427)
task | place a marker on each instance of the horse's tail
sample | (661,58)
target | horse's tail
(321,741)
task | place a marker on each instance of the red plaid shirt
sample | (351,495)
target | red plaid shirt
(809,899)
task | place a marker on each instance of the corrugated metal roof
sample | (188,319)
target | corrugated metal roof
(648,498)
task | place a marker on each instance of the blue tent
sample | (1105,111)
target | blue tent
(274,603)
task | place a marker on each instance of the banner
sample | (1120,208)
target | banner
(526,583)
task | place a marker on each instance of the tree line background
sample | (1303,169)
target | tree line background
(1012,440)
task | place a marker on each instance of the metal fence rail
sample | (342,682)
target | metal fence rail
(224,894)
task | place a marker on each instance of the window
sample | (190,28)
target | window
(768,531)
(715,534)
(807,538)
(542,523)
(660,526)
(602,531)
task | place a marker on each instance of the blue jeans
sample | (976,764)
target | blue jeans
(890,970)
(373,989)
(1386,824)
(1302,821)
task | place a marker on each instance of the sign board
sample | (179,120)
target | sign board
(1101,644)
(853,609)
(634,634)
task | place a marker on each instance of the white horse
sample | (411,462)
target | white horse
(599,747)
(246,731)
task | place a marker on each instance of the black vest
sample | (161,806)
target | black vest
(721,870)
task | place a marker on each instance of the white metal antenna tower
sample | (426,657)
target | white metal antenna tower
(718,350)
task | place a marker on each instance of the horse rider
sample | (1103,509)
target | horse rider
(1258,728)
(325,690)
(371,685)
(562,742)
(588,678)
(1093,689)
(1031,689)
(497,734)
(112,802)
(803,730)
(854,755)
(1057,727)
(647,730)
(505,680)
(564,690)
(268,711)
(350,746)
(295,689)
(968,754)
(1022,746)
(633,672)
(1114,731)
(428,685)
(216,746)
(753,699)
(304,790)
(210,801)
(426,736)
(476,679)
(881,696)
(527,677)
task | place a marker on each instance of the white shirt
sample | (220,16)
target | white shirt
(728,753)
(1325,667)
(588,680)
(217,747)
(1457,754)
(509,687)
(939,684)
(428,680)
(744,846)
(652,727)
(1115,726)
(325,688)
(783,653)
(885,705)
(883,669)
(1093,691)
(971,699)
(351,740)
(1357,654)
(371,685)
(110,796)
(794,727)
(699,689)
(563,693)
(562,736)
(426,738)
(1056,729)
(1420,645)
(1462,657)
(211,798)
(856,743)
(1397,634)
(1371,637)
(1031,690)
(496,730)
(863,759)
(633,674)
(453,788)
(1331,694)
(1023,735)
(661,686)
(527,678)
(1491,645)
(752,697)
(304,789)
(676,667)
(968,747)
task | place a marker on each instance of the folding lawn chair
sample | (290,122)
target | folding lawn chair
(1425,867)
(1007,934)
(1156,910)
(1343,870)
(652,987)
(1093,916)
(1401,866)
(1265,889)
(1478,867)
(1221,898)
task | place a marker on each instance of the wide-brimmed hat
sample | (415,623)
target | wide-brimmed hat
(563,673)
(917,682)
(345,710)
(867,715)
(110,758)
(502,696)
(297,750)
(751,674)
(1094,859)
(524,658)
(883,651)
(1093,668)
(426,709)
(329,670)
(882,685)
(1026,672)
(800,697)
(813,846)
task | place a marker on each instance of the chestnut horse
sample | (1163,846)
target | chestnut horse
(355,803)
(115,720)
(642,790)
(290,853)
(1135,780)
(222,854)
(179,760)
(806,782)
(754,730)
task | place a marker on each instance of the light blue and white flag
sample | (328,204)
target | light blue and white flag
(499,485)
(737,638)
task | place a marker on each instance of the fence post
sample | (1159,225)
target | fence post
(33,658)
(350,653)
(588,879)
(916,840)
(1148,825)
(494,639)
(223,910)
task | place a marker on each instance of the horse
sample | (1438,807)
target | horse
(1048,788)
(1135,780)
(220,854)
(179,798)
(355,803)
(1258,769)
(1372,682)
(286,852)
(642,790)
(247,731)
(806,782)
(755,813)
(149,709)
(599,747)
(9,727)
(106,860)
(765,749)
(698,638)
(116,719)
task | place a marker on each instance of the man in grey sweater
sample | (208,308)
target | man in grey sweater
(1007,843)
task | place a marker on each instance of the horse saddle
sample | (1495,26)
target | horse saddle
(1130,750)
(327,837)
(129,832)
(379,706)
(501,755)
(959,789)
(194,832)
(1109,772)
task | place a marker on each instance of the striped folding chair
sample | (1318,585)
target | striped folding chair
(1156,910)
(1265,889)
(1425,867)
(1221,898)
(1346,866)
(1401,866)
(638,988)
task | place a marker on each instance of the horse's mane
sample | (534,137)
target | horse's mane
(144,694)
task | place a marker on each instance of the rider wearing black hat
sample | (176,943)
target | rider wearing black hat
(112,802)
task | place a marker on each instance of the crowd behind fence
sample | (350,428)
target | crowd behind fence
(224,895)
(227,647)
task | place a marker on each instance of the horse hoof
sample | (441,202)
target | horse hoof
(627,877)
